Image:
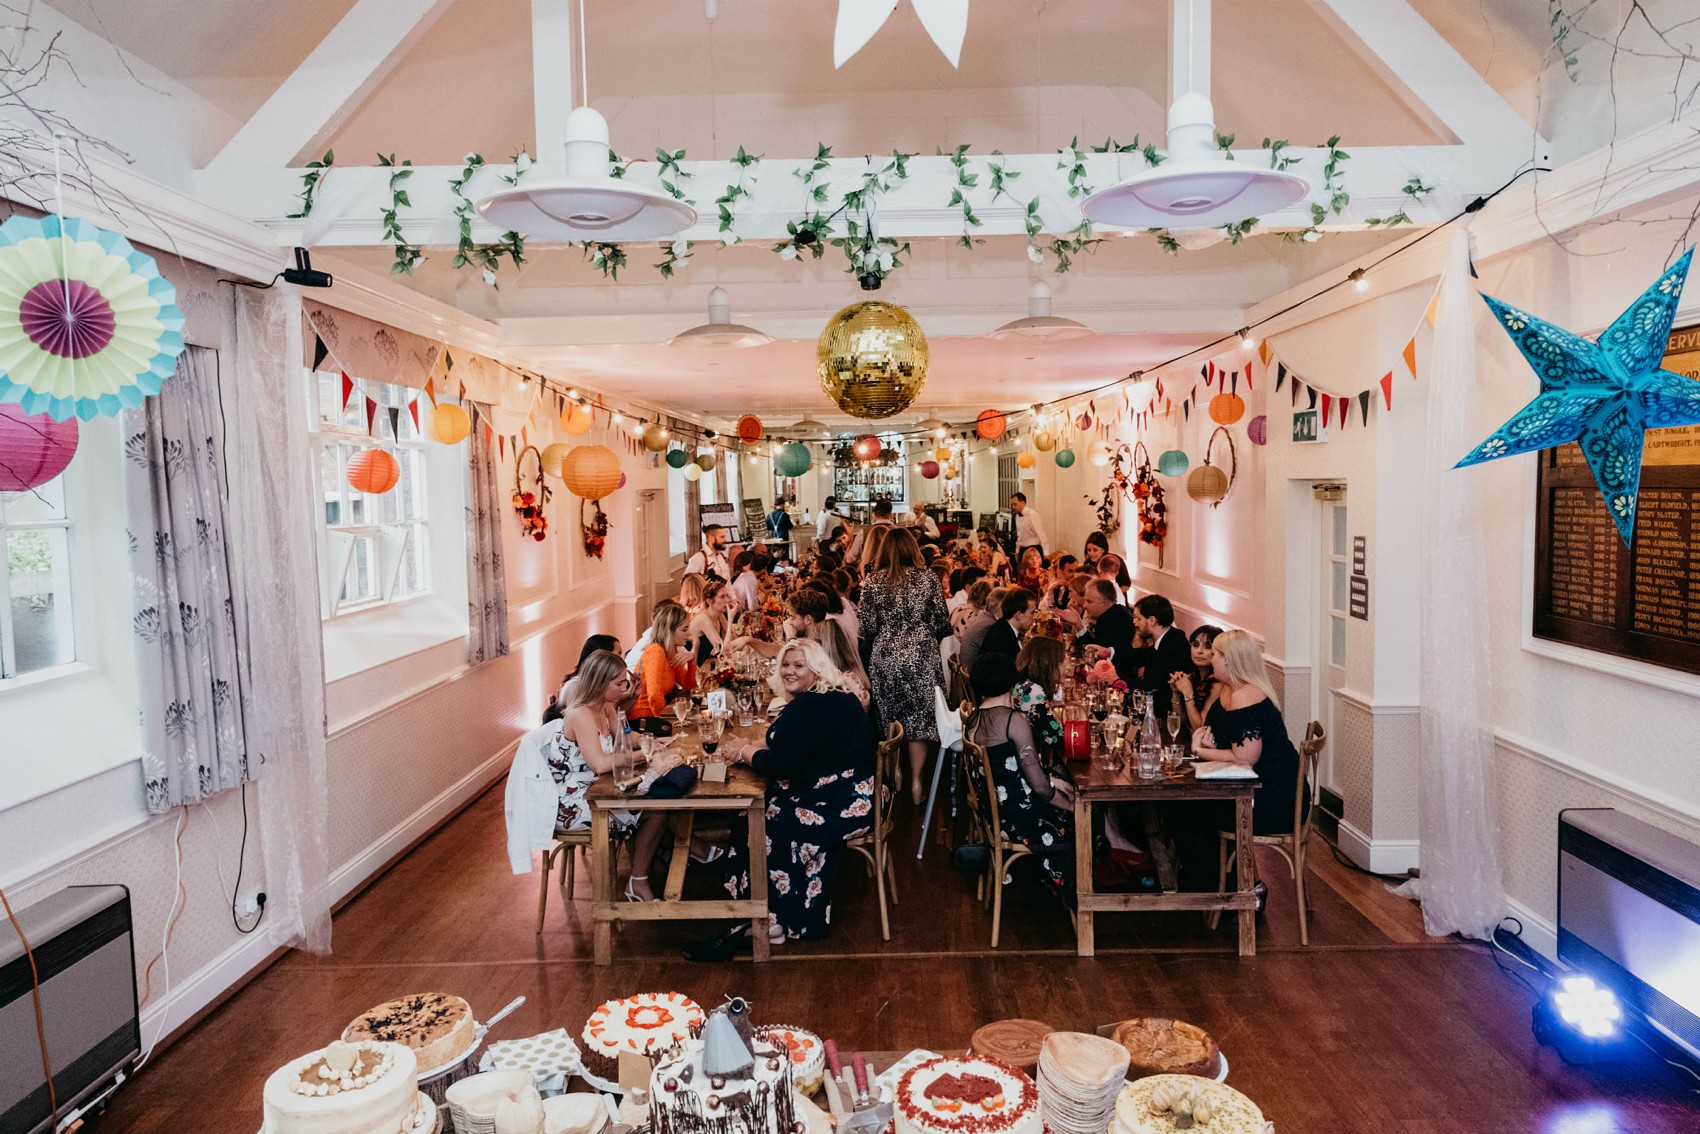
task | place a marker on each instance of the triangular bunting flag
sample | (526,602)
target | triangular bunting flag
(524,437)
(395,421)
(489,434)
(320,351)
(1345,405)
(430,392)
(1248,376)
(1186,410)
(448,359)
(501,447)
(371,413)
(462,394)
(1234,382)
(1363,404)
(413,411)
(1312,394)
(1410,355)
(1327,406)
(1433,308)
(1204,371)
(1263,352)
(1159,387)
(1280,375)
(1210,375)
(347,389)
(1387,388)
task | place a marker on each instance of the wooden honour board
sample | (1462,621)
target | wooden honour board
(1641,602)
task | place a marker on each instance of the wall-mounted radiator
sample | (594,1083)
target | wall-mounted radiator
(84,958)
(1629,915)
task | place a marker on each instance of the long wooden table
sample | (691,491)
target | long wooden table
(743,791)
(1095,786)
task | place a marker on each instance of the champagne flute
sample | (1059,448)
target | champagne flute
(682,709)
(1173,720)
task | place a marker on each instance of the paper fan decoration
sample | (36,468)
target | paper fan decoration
(88,326)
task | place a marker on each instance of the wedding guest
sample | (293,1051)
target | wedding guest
(1114,568)
(903,620)
(552,711)
(975,596)
(991,555)
(845,611)
(961,580)
(746,583)
(1016,615)
(666,664)
(843,653)
(711,630)
(710,559)
(1054,594)
(865,551)
(1042,663)
(778,523)
(974,631)
(830,522)
(1112,628)
(1035,808)
(923,525)
(1029,526)
(818,759)
(1199,690)
(1097,546)
(1030,570)
(1168,654)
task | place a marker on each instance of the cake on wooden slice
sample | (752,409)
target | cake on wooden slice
(348,1088)
(1016,1042)
(436,1026)
(1164,1104)
(1156,1046)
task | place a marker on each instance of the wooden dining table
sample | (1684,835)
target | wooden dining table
(741,791)
(1096,786)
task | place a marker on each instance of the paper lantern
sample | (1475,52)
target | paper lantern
(794,459)
(577,419)
(1065,458)
(930,469)
(450,424)
(950,472)
(373,471)
(677,458)
(655,437)
(872,359)
(33,448)
(1257,430)
(1026,459)
(990,424)
(1225,409)
(867,448)
(1084,421)
(552,456)
(1099,454)
(706,461)
(750,429)
(1044,441)
(591,472)
(1173,462)
(693,472)
(941,454)
(1208,484)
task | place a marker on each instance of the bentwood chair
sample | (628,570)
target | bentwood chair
(982,794)
(875,846)
(960,688)
(567,845)
(1290,846)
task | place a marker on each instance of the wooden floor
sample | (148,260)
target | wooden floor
(1374,1027)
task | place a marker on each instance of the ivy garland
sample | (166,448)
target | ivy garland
(738,190)
(407,256)
(316,171)
(486,257)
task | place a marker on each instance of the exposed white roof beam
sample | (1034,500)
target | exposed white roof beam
(346,66)
(1430,75)
(552,80)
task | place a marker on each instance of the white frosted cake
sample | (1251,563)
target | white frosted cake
(807,1054)
(730,1080)
(348,1088)
(646,1024)
(1163,1104)
(970,1095)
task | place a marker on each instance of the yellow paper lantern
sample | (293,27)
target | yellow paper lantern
(1044,441)
(373,471)
(941,454)
(655,437)
(591,471)
(450,424)
(1026,459)
(693,472)
(577,420)
(872,359)
(552,456)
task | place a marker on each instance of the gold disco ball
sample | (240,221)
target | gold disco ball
(872,359)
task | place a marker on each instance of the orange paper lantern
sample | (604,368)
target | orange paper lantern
(450,424)
(373,471)
(591,472)
(577,420)
(750,429)
(990,424)
(1026,459)
(1225,409)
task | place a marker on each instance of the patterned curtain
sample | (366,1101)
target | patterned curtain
(190,673)
(486,584)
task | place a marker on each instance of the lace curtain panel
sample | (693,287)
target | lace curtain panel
(486,584)
(273,551)
(184,620)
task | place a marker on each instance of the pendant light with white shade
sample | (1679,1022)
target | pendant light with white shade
(1197,186)
(1040,323)
(587,202)
(719,333)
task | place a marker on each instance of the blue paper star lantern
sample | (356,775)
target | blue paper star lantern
(1605,395)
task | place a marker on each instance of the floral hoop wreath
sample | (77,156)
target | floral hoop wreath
(595,530)
(527,502)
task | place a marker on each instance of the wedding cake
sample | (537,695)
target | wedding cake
(730,1080)
(348,1088)
(970,1095)
(436,1026)
(1158,1046)
(646,1024)
(808,1054)
(1164,1104)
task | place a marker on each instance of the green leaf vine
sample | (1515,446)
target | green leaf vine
(1333,181)
(1239,230)
(604,257)
(1075,163)
(407,256)
(1416,191)
(1562,26)
(1279,161)
(817,190)
(998,178)
(1166,240)
(674,255)
(727,201)
(316,171)
(1225,143)
(1078,239)
(959,197)
(487,258)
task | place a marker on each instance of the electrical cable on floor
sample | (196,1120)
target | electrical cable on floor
(165,946)
(1340,856)
(40,1024)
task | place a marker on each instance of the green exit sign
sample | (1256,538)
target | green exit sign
(1307,427)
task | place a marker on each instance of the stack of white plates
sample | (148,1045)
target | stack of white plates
(1079,1079)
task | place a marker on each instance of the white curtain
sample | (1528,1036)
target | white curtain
(271,532)
(1460,887)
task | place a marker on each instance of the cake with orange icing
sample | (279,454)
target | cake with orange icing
(967,1095)
(646,1024)
(808,1054)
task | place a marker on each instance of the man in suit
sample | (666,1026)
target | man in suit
(1168,653)
(1004,635)
(1112,626)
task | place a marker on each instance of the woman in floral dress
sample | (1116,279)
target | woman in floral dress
(819,761)
(904,618)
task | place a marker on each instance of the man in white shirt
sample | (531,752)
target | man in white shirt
(1029,527)
(829,521)
(925,526)
(711,558)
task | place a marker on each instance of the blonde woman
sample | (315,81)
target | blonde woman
(842,651)
(819,762)
(666,663)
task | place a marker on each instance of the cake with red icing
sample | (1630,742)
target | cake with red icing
(969,1095)
(647,1024)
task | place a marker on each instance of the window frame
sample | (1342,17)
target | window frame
(74,585)
(390,541)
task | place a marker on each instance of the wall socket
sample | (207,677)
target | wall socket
(249,904)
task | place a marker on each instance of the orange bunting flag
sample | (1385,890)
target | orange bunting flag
(1410,355)
(523,437)
(1248,376)
(1263,352)
(1433,308)
(1387,388)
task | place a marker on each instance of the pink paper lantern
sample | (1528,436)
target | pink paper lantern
(1258,430)
(930,469)
(33,449)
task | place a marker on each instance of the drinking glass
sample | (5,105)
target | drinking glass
(1150,761)
(682,709)
(1110,759)
(1173,720)
(1115,729)
(1173,756)
(646,745)
(709,729)
(746,708)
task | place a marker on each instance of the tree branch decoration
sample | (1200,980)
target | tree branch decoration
(594,531)
(1147,493)
(529,502)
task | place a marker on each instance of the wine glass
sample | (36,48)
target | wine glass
(682,709)
(1173,720)
(709,730)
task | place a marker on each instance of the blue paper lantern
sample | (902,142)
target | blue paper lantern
(794,459)
(1065,458)
(1172,463)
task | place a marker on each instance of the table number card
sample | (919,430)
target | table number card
(713,772)
(716,702)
